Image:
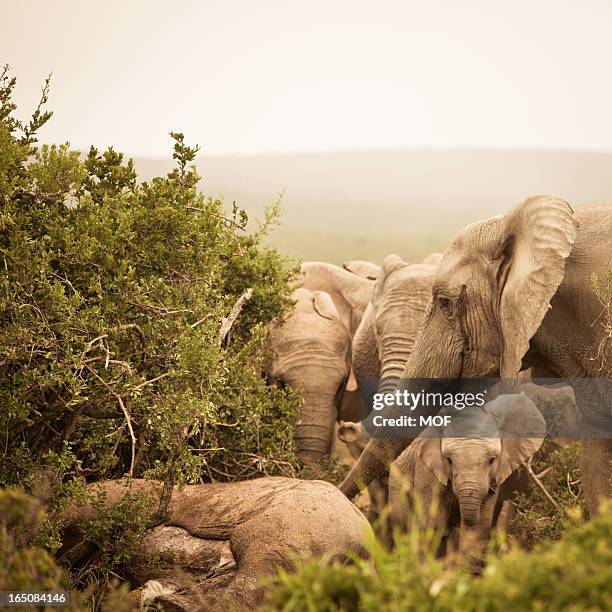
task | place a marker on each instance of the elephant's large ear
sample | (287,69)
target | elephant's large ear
(428,448)
(522,431)
(535,238)
(325,306)
(365,269)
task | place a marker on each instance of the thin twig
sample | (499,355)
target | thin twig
(152,380)
(126,414)
(227,322)
(549,497)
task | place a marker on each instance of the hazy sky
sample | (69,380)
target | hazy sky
(274,76)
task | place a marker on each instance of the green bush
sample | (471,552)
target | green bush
(118,354)
(24,566)
(112,295)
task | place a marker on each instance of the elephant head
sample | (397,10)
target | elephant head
(350,288)
(392,319)
(492,290)
(365,269)
(311,352)
(481,448)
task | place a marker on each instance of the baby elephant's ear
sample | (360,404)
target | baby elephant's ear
(522,431)
(428,448)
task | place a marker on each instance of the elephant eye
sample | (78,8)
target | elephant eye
(446,306)
(491,460)
(450,461)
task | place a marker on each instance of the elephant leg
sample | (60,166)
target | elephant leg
(505,516)
(596,471)
(378,497)
(372,463)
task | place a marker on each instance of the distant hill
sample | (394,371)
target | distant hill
(365,205)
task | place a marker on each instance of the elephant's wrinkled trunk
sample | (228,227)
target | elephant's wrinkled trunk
(315,427)
(470,502)
(396,349)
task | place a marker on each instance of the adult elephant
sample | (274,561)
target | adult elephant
(512,292)
(350,288)
(392,319)
(311,352)
(384,339)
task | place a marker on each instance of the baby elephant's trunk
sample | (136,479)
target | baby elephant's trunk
(470,501)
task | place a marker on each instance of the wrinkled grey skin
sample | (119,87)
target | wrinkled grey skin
(350,288)
(227,539)
(514,292)
(464,465)
(311,352)
(391,321)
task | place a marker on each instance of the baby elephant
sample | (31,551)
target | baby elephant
(451,475)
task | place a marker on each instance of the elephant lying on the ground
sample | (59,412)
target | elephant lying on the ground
(311,352)
(514,292)
(449,477)
(221,540)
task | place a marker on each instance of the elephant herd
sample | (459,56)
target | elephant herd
(511,299)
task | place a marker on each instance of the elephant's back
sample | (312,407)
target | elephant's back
(311,518)
(214,510)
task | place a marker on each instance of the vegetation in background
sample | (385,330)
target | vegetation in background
(548,514)
(24,566)
(133,324)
